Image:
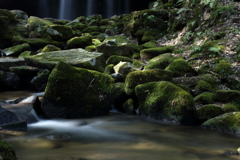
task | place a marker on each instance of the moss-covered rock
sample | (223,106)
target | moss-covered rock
(208,111)
(192,81)
(180,67)
(114,59)
(130,106)
(19,15)
(109,69)
(139,77)
(91,29)
(153,52)
(203,86)
(26,53)
(24,70)
(145,19)
(229,107)
(6,63)
(205,98)
(223,69)
(15,51)
(76,92)
(36,43)
(66,31)
(166,101)
(160,62)
(117,45)
(228,122)
(40,80)
(138,65)
(124,68)
(228,96)
(35,22)
(79,42)
(6,151)
(75,57)
(50,48)
(150,44)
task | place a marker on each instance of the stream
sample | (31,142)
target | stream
(118,137)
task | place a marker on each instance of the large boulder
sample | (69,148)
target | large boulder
(166,101)
(76,92)
(75,57)
(139,77)
(228,122)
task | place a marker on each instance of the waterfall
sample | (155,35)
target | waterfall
(90,7)
(66,10)
(110,7)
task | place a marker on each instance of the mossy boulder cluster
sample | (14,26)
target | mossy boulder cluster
(177,61)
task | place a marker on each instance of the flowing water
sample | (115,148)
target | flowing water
(120,137)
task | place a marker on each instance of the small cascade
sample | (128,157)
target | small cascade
(34,114)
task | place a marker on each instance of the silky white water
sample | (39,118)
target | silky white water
(119,136)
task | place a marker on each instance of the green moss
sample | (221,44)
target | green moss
(164,100)
(66,31)
(36,43)
(205,98)
(109,69)
(138,64)
(209,111)
(130,106)
(153,52)
(223,69)
(35,22)
(91,29)
(179,67)
(49,48)
(140,77)
(26,53)
(16,50)
(228,96)
(114,59)
(228,122)
(86,92)
(160,62)
(150,44)
(6,151)
(230,108)
(203,86)
(79,42)
(91,48)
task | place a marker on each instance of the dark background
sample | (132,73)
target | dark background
(51,8)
